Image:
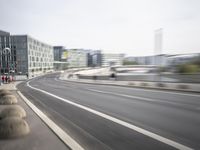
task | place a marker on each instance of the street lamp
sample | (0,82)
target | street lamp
(6,52)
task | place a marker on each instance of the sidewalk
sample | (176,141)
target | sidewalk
(9,86)
(41,137)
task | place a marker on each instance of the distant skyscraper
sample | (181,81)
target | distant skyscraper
(158,41)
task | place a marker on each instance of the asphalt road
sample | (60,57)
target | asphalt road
(172,115)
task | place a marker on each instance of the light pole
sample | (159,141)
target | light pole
(6,52)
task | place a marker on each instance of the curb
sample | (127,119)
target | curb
(62,135)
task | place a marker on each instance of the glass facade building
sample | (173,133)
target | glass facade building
(27,55)
(94,58)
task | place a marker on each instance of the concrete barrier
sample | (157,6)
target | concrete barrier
(13,127)
(8,100)
(4,92)
(13,111)
(105,80)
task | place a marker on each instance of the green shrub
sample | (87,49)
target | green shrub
(188,68)
(125,62)
(162,69)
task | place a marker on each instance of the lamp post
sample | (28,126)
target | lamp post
(6,52)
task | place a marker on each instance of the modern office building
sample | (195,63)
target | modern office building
(40,56)
(7,54)
(77,58)
(112,59)
(60,53)
(60,58)
(165,59)
(160,60)
(25,55)
(94,58)
(57,50)
(180,59)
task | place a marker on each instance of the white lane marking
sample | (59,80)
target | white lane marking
(56,129)
(137,97)
(161,91)
(134,97)
(124,95)
(130,96)
(123,123)
(56,79)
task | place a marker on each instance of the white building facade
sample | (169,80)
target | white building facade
(77,58)
(40,56)
(109,59)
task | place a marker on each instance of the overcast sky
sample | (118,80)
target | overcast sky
(118,26)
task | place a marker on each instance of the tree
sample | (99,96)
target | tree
(188,68)
(126,62)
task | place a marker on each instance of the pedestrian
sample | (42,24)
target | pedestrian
(12,78)
(9,79)
(3,78)
(94,77)
(27,75)
(6,79)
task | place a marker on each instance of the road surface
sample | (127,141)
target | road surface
(118,118)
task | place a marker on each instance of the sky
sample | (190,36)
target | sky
(114,26)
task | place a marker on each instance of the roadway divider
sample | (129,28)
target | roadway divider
(186,87)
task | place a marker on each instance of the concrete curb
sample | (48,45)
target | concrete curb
(53,126)
(180,87)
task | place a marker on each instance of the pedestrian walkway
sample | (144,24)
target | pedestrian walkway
(10,86)
(40,137)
